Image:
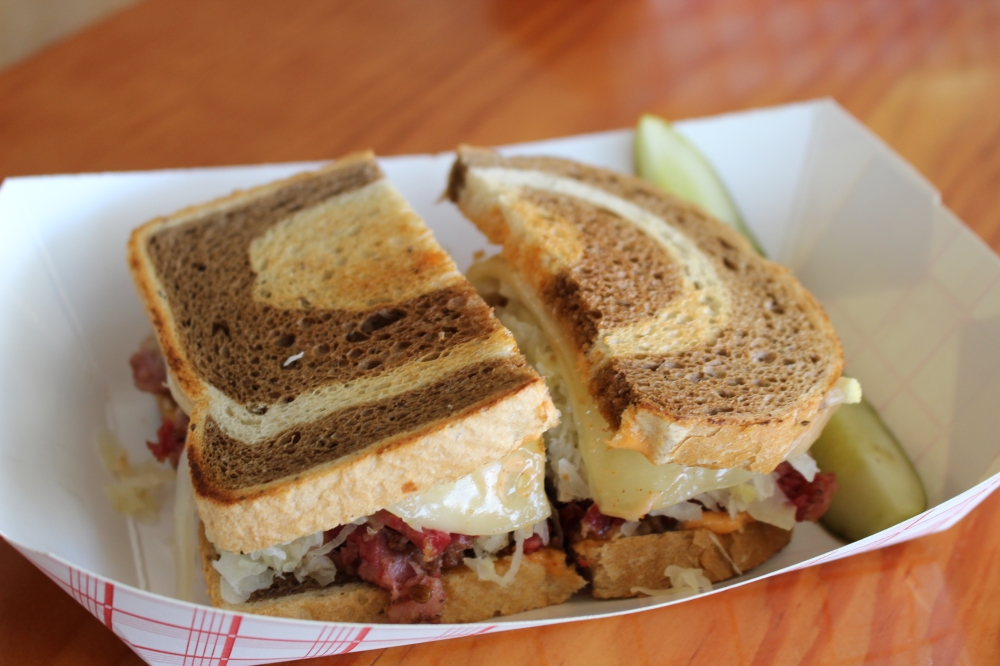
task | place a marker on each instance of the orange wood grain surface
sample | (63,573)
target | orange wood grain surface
(188,83)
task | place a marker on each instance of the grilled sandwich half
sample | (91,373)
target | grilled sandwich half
(340,372)
(692,374)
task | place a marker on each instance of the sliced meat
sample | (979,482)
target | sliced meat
(170,438)
(149,372)
(595,524)
(532,544)
(454,554)
(421,600)
(380,565)
(811,498)
(431,543)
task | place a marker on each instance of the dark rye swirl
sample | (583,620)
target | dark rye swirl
(332,357)
(696,350)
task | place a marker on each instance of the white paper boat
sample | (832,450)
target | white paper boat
(914,295)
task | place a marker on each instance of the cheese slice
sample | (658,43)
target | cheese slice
(501,497)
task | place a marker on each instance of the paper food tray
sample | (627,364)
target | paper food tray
(914,295)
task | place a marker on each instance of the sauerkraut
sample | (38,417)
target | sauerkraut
(484,563)
(137,490)
(683,583)
(306,557)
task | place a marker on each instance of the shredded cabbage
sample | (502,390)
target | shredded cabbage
(484,563)
(759,496)
(317,566)
(681,511)
(629,528)
(490,545)
(305,557)
(137,489)
(683,583)
(241,576)
(805,465)
(541,528)
(725,553)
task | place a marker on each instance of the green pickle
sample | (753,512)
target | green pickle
(878,486)
(665,158)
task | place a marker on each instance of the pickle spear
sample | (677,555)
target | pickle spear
(878,485)
(664,157)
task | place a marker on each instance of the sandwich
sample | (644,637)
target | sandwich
(361,434)
(692,375)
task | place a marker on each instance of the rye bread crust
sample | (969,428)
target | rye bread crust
(544,579)
(618,566)
(740,386)
(264,364)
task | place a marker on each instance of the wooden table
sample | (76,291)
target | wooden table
(185,83)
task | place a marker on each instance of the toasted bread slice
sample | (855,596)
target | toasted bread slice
(331,355)
(618,568)
(543,579)
(696,350)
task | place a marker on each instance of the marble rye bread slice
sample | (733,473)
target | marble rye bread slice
(331,356)
(697,350)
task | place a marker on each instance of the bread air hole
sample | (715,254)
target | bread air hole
(357,336)
(381,319)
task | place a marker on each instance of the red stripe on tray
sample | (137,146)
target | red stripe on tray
(109,604)
(234,629)
(357,640)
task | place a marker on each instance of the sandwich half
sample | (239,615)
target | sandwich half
(363,434)
(692,374)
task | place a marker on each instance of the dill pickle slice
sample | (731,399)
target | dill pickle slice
(665,158)
(878,485)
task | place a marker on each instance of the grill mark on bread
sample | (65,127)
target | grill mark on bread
(229,470)
(260,355)
(778,347)
(623,276)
